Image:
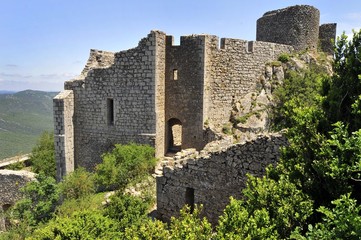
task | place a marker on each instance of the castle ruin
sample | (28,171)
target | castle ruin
(175,97)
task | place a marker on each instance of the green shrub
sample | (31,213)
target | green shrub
(77,184)
(16,166)
(42,157)
(190,225)
(124,164)
(39,202)
(126,209)
(284,57)
(226,129)
(85,224)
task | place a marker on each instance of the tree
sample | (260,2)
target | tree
(343,221)
(271,209)
(42,157)
(343,90)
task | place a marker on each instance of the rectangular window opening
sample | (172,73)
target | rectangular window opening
(175,74)
(250,46)
(110,111)
(189,198)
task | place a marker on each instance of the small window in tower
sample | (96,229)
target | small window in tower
(110,111)
(175,74)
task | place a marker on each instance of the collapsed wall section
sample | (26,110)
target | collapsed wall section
(63,108)
(210,180)
(10,191)
(297,26)
(234,70)
(119,101)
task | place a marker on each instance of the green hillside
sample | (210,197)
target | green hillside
(23,117)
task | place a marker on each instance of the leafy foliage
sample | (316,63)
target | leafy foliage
(85,224)
(148,229)
(300,90)
(341,222)
(43,155)
(39,202)
(190,226)
(238,223)
(124,164)
(271,209)
(343,91)
(77,184)
(126,209)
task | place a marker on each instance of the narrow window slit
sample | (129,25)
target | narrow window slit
(110,108)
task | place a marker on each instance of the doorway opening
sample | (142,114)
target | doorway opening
(174,135)
(189,198)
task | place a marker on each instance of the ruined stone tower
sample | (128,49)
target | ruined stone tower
(163,94)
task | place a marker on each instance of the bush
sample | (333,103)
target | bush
(124,164)
(80,225)
(126,209)
(190,225)
(284,57)
(39,202)
(77,184)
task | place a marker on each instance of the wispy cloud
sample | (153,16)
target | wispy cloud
(14,75)
(11,66)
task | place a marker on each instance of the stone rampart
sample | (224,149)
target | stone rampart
(119,98)
(234,70)
(297,26)
(327,35)
(210,178)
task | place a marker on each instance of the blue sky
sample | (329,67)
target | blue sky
(45,42)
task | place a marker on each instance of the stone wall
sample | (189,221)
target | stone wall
(63,107)
(119,100)
(297,26)
(327,35)
(10,184)
(234,70)
(184,89)
(212,177)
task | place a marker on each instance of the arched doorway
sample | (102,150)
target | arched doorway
(174,135)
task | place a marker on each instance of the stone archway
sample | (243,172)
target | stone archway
(175,135)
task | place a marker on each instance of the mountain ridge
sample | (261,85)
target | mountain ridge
(24,116)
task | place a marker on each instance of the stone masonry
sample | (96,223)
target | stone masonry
(10,184)
(139,94)
(176,97)
(214,176)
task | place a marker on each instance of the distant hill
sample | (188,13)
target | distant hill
(23,117)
